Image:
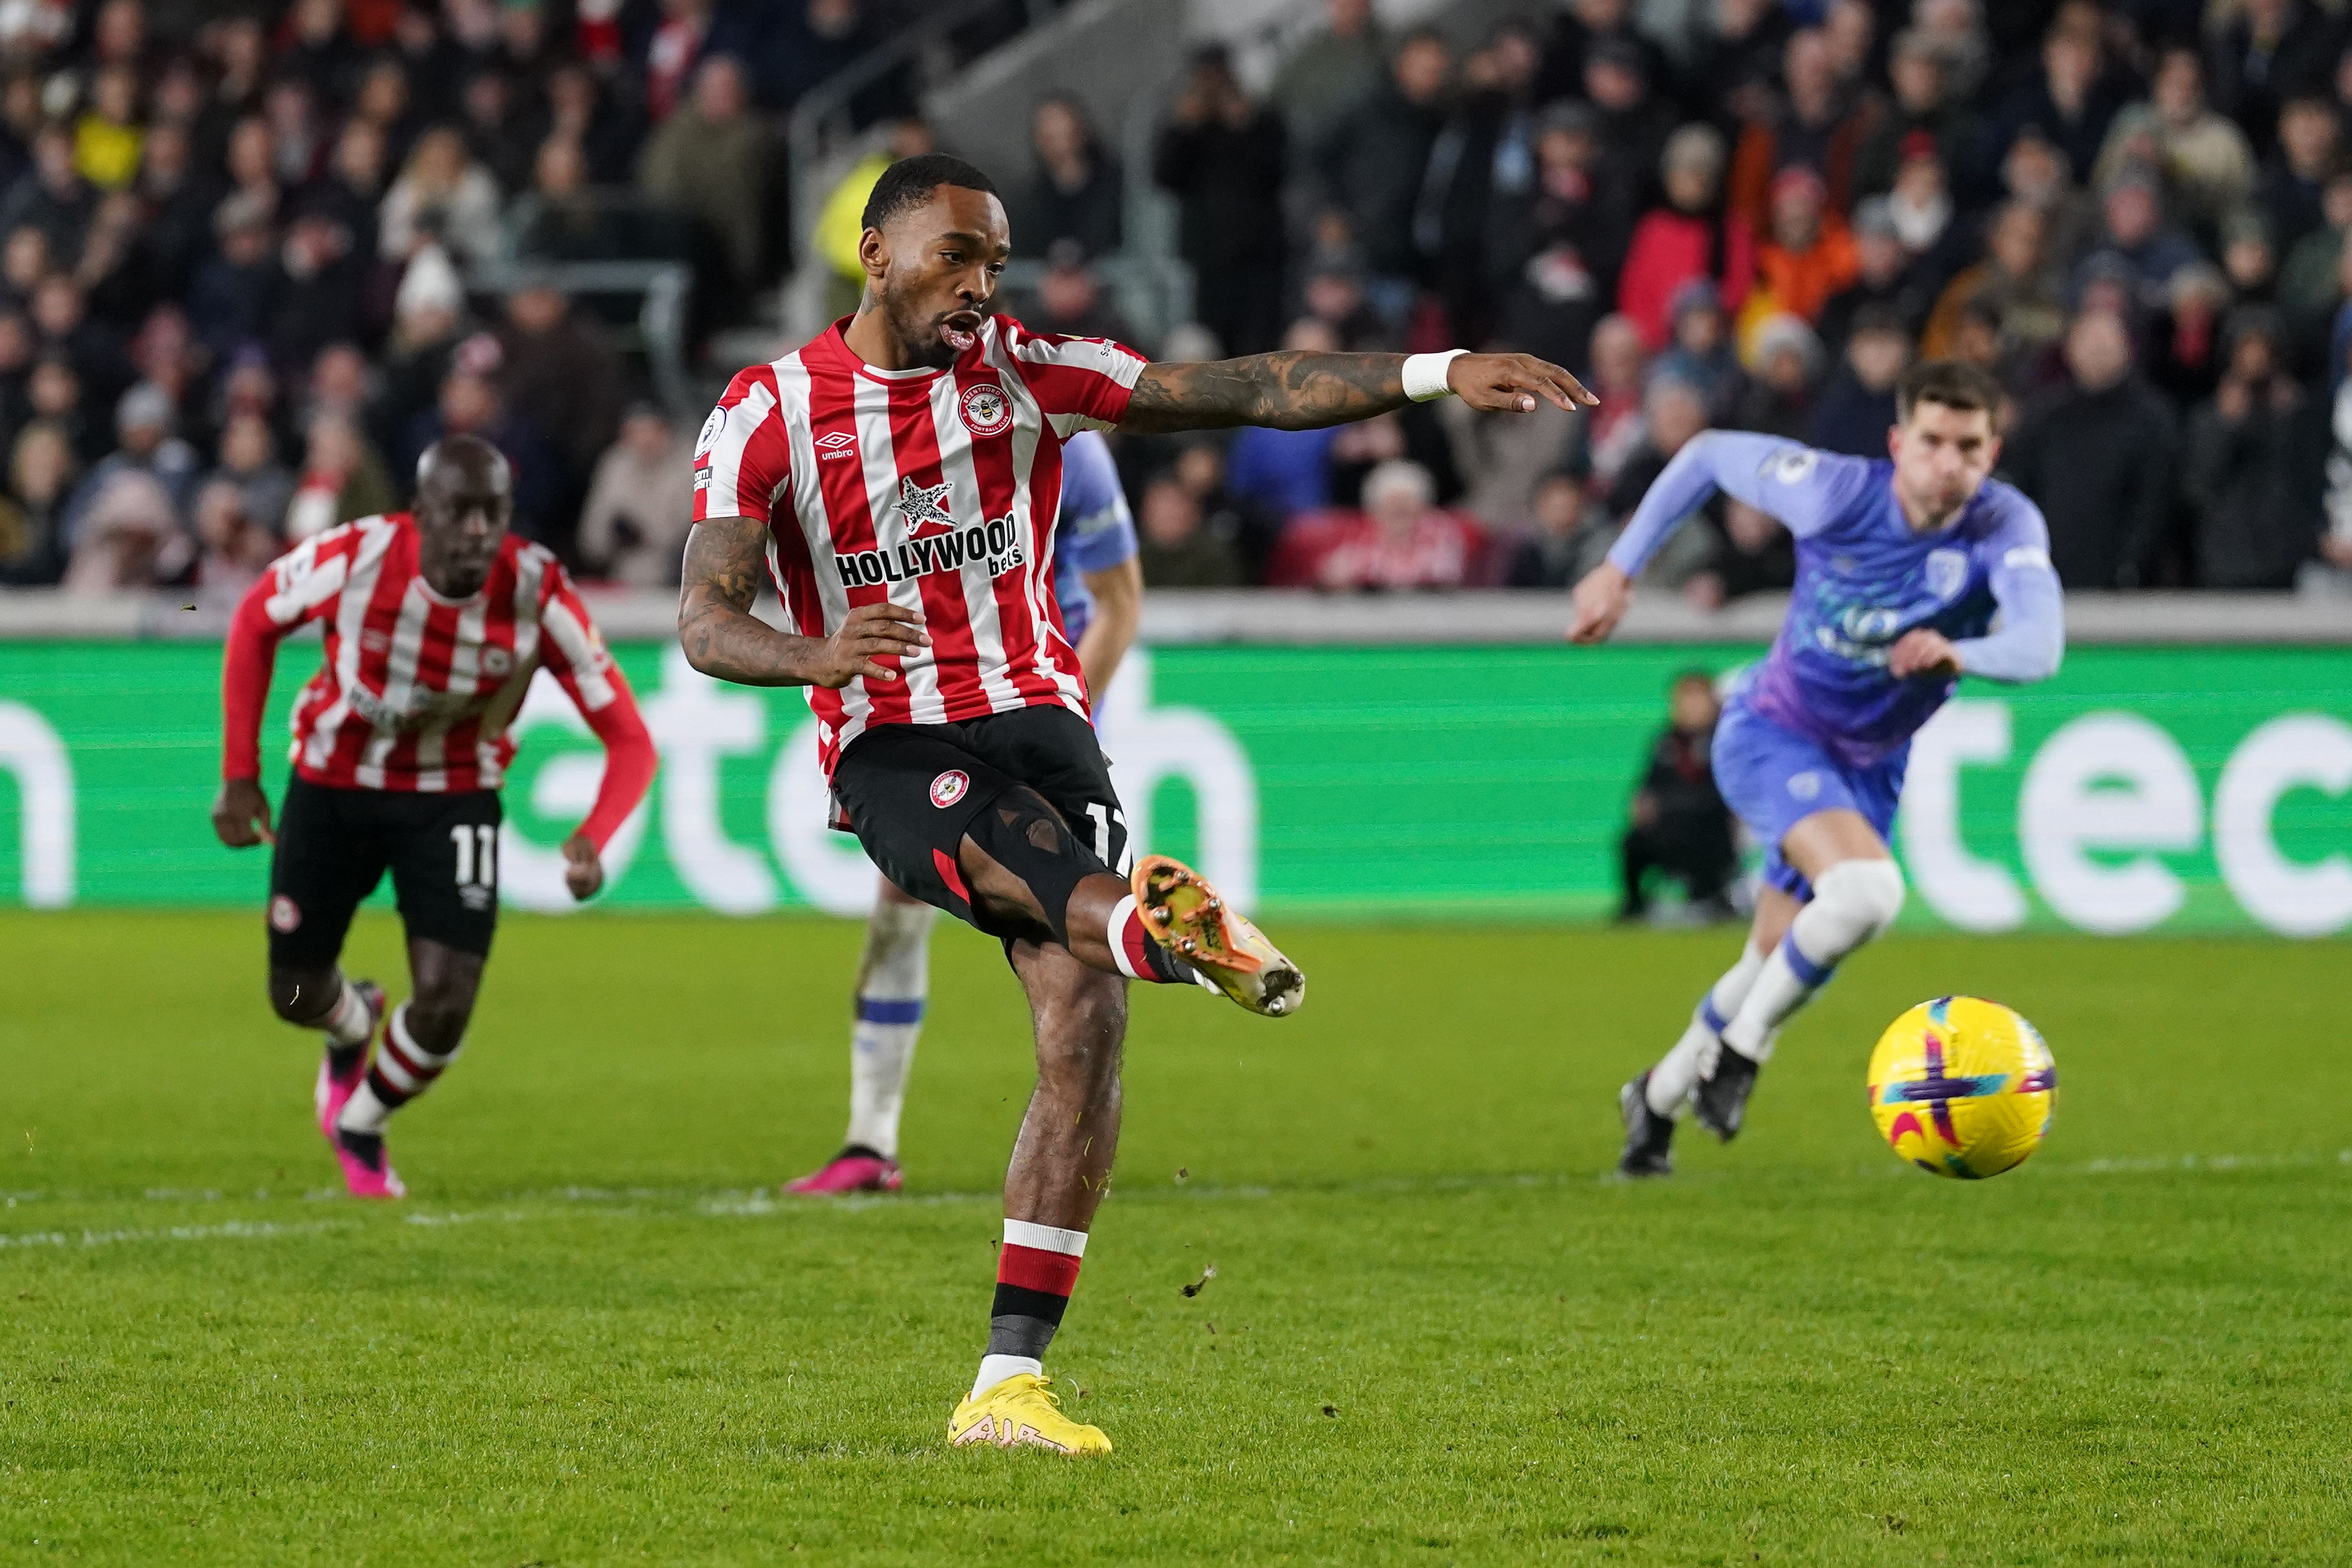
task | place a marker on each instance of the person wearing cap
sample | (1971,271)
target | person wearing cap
(1808,256)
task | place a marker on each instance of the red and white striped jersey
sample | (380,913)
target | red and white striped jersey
(936,489)
(417,691)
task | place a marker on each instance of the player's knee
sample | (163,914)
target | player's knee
(303,995)
(1026,837)
(1866,895)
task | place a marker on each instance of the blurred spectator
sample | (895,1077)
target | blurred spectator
(1586,28)
(1672,415)
(557,372)
(1173,547)
(41,470)
(1334,67)
(1075,193)
(2294,180)
(1375,159)
(1620,76)
(1614,429)
(427,314)
(145,450)
(1691,238)
(470,405)
(709,162)
(2033,173)
(1554,555)
(1679,823)
(2185,342)
(671,51)
(2203,160)
(1483,162)
(316,297)
(1858,408)
(1808,254)
(231,300)
(177,201)
(1887,276)
(1286,472)
(582,112)
(1200,467)
(818,40)
(351,192)
(1737,57)
(632,529)
(108,136)
(1787,363)
(2136,235)
(1814,130)
(1070,298)
(444,196)
(1751,553)
(51,195)
(1222,158)
(2015,278)
(1400,539)
(249,460)
(234,547)
(2308,290)
(1558,247)
(2250,257)
(53,393)
(2255,467)
(1922,107)
(1334,298)
(1701,355)
(497,132)
(2265,52)
(2098,459)
(127,536)
(2071,103)
(342,479)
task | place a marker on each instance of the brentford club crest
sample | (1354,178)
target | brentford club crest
(285,914)
(986,410)
(949,788)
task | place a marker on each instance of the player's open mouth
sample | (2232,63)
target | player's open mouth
(960,330)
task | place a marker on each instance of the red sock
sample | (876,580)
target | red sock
(1138,956)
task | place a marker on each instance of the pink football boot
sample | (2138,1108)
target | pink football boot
(367,1165)
(855,1170)
(333,1088)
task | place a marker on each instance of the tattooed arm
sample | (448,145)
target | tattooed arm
(1297,390)
(723,638)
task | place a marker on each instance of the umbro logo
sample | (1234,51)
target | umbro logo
(840,444)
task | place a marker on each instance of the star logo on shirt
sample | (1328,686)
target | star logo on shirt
(923,504)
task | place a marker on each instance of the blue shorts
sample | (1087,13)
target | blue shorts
(1774,777)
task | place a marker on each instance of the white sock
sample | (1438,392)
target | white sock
(363,1112)
(995,1369)
(402,1070)
(350,1023)
(1693,1057)
(1852,901)
(893,978)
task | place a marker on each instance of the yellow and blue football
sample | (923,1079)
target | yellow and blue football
(1962,1086)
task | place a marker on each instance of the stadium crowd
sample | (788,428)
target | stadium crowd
(1754,215)
(242,254)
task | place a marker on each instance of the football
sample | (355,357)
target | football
(1962,1086)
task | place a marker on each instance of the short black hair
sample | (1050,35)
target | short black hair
(909,182)
(1950,382)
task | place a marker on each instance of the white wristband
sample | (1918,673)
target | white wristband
(1424,375)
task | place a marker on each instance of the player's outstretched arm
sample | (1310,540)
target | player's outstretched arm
(1300,391)
(722,638)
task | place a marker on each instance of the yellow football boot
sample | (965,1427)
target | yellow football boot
(1184,914)
(1022,1413)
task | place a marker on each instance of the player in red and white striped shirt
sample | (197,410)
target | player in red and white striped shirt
(434,624)
(899,478)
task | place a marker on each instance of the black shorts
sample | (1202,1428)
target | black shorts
(911,790)
(335,845)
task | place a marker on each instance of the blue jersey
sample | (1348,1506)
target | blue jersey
(1095,531)
(1864,577)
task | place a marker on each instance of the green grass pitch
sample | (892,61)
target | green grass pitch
(1435,1335)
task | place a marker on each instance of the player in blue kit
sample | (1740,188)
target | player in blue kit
(1100,588)
(1901,567)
